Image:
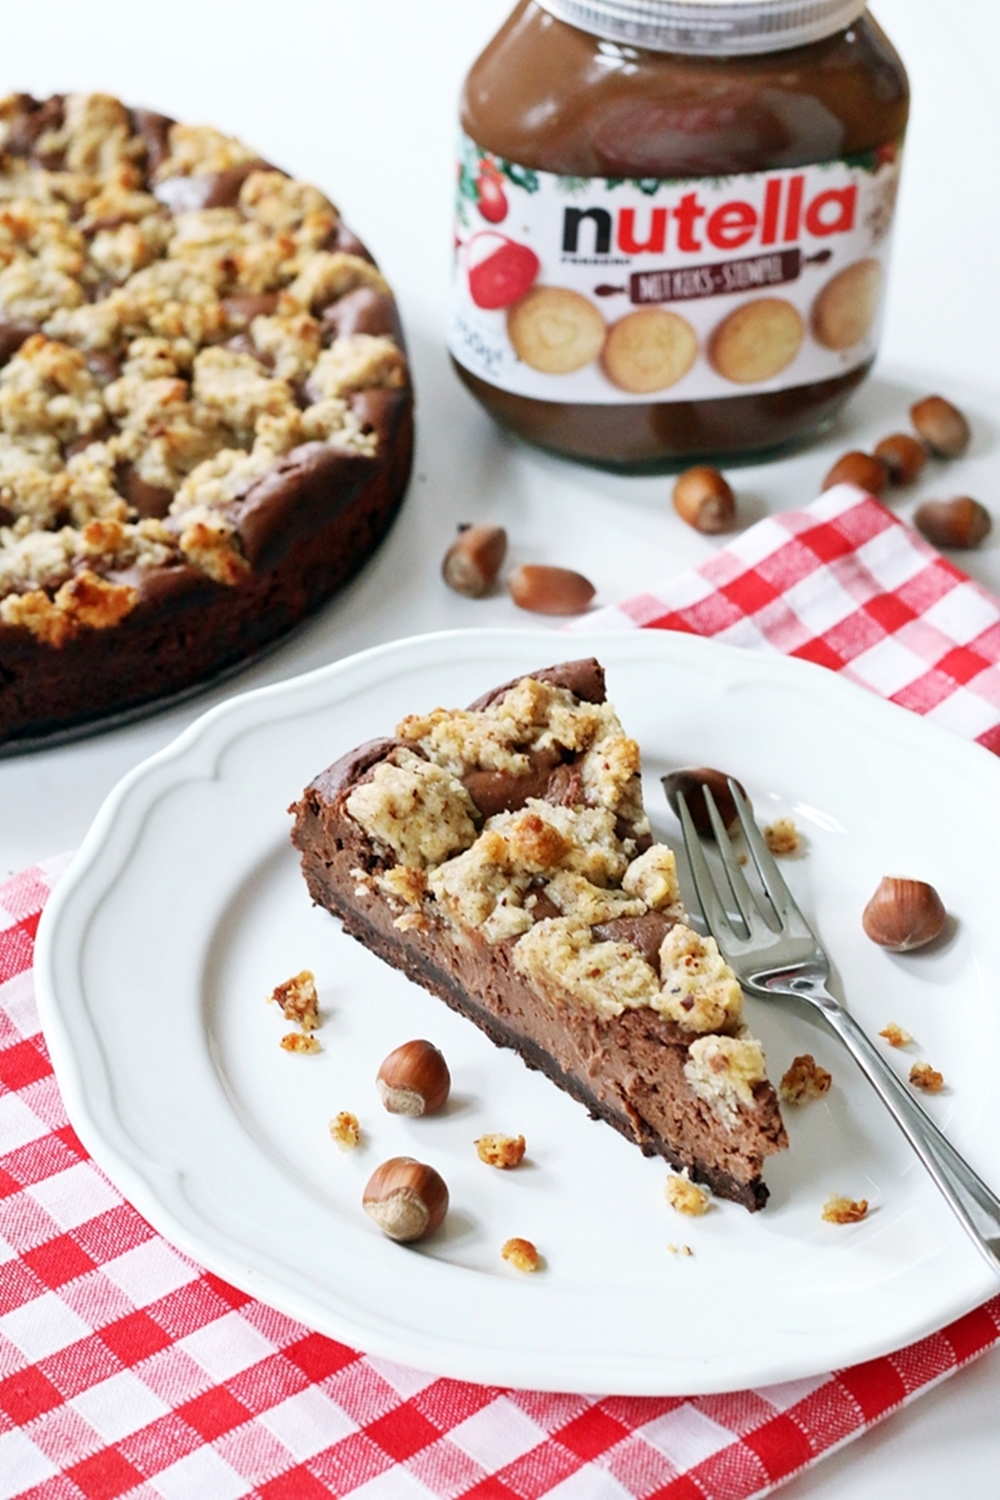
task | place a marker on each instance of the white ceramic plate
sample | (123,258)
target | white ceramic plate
(185,906)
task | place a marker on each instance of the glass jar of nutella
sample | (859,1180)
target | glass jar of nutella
(673,222)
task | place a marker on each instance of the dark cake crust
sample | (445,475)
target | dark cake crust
(627,1070)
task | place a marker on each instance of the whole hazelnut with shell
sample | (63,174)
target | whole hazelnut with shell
(904,914)
(407,1199)
(414,1080)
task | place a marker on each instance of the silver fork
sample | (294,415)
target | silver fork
(781,955)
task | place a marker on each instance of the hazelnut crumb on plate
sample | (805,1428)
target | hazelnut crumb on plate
(923,1076)
(503,1151)
(804,1080)
(298,1000)
(521,1254)
(782,836)
(684,1195)
(838,1210)
(896,1036)
(345,1130)
(299,1041)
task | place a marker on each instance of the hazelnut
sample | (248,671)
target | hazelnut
(407,1199)
(858,468)
(550,591)
(904,914)
(414,1080)
(474,559)
(903,456)
(692,782)
(704,499)
(962,522)
(941,425)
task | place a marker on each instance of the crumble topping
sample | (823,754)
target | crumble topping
(923,1076)
(168,344)
(685,1196)
(896,1036)
(561,954)
(575,855)
(652,877)
(723,1071)
(838,1210)
(700,990)
(804,1080)
(504,1151)
(680,1249)
(782,836)
(416,809)
(521,1254)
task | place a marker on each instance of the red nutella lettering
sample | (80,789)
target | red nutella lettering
(655,241)
(832,212)
(732,225)
(687,211)
(783,215)
(772,205)
(793,207)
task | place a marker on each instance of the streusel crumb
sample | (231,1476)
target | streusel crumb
(923,1076)
(298,1041)
(345,1130)
(782,836)
(804,1080)
(298,1000)
(521,1254)
(680,1249)
(838,1210)
(896,1036)
(686,1196)
(501,1150)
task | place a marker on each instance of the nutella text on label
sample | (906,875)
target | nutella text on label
(603,290)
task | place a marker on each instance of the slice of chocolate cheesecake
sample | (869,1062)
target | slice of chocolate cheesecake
(501,857)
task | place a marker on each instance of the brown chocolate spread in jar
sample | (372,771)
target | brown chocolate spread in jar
(673,221)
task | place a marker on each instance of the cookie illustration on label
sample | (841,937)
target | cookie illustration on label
(845,309)
(757,341)
(555,330)
(648,350)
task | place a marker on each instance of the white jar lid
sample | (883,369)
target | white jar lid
(723,27)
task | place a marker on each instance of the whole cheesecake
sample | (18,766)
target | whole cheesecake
(206,417)
(501,857)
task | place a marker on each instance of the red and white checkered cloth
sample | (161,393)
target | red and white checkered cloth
(128,1371)
(845,584)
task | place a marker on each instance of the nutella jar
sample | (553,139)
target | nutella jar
(673,221)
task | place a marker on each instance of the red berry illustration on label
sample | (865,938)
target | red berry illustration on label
(500,270)
(492,200)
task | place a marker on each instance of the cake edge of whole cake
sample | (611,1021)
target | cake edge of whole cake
(206,413)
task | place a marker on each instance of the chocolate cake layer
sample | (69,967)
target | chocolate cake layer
(627,1068)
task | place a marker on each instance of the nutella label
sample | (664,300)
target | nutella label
(590,289)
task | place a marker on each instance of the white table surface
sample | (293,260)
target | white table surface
(360,97)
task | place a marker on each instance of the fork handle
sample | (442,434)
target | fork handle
(968,1196)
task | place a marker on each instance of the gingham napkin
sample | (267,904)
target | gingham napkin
(127,1370)
(845,584)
